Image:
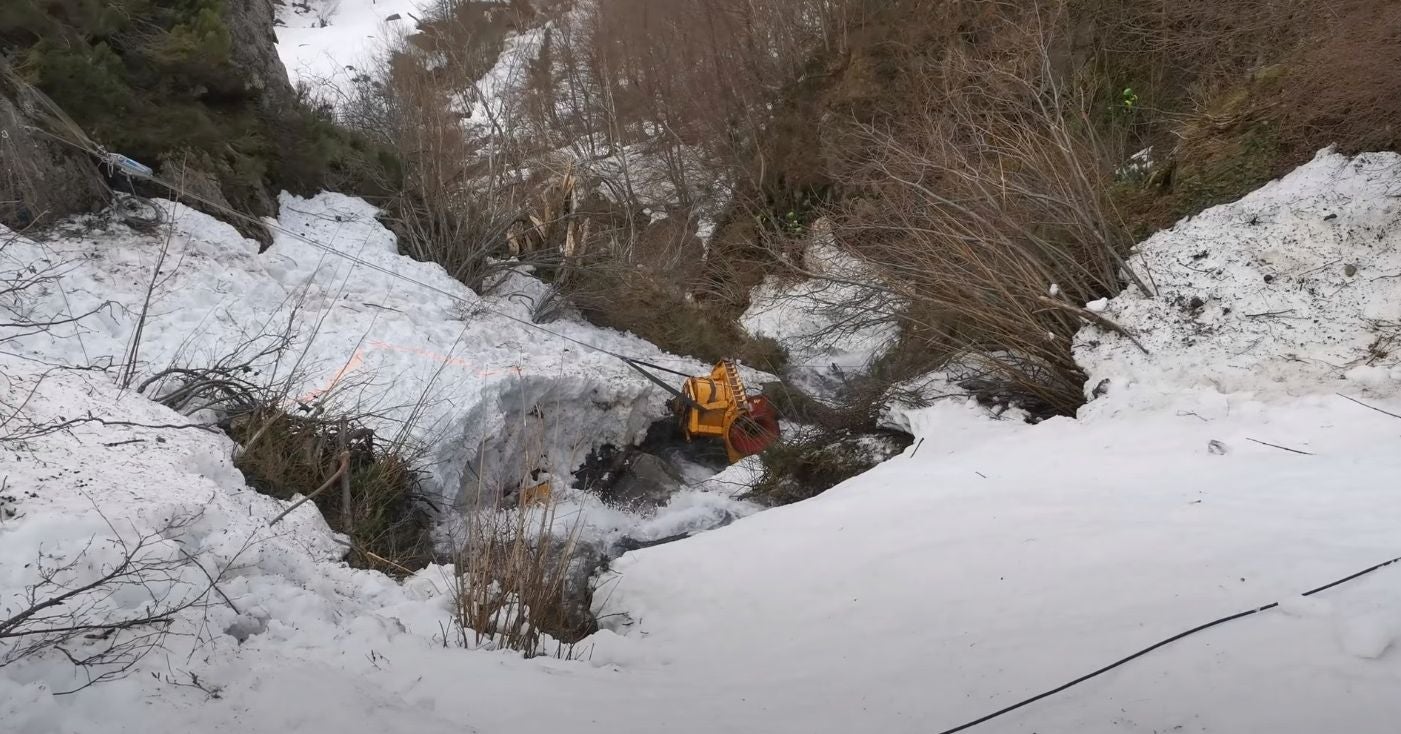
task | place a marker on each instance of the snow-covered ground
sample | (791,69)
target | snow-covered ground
(333,41)
(1294,289)
(490,398)
(989,562)
(834,317)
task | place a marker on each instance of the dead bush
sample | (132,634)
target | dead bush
(988,212)
(517,579)
(454,195)
(802,467)
(376,502)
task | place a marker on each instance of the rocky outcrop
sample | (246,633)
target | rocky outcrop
(250,24)
(41,180)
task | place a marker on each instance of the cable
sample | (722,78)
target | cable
(344,255)
(1155,646)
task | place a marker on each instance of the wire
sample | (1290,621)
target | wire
(1155,646)
(345,255)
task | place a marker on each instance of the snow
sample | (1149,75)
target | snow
(489,397)
(991,561)
(1291,290)
(938,588)
(489,111)
(836,316)
(333,41)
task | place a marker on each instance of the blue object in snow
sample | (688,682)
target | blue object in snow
(128,166)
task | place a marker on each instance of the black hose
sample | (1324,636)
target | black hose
(1157,645)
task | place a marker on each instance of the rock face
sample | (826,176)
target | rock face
(41,180)
(254,52)
(250,24)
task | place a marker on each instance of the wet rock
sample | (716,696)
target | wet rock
(644,481)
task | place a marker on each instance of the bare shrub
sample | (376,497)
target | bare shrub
(988,213)
(375,496)
(27,273)
(451,202)
(515,574)
(79,605)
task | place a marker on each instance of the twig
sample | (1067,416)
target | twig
(1370,407)
(1096,318)
(347,512)
(1277,446)
(342,469)
(213,583)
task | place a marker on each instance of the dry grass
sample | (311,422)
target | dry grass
(515,581)
(979,204)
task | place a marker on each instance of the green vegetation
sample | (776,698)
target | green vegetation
(157,80)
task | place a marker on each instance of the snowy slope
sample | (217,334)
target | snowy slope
(1294,289)
(991,561)
(333,41)
(379,335)
(1003,560)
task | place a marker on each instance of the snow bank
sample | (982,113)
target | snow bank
(1004,559)
(492,398)
(1294,289)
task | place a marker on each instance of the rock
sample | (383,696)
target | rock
(41,178)
(645,481)
(250,24)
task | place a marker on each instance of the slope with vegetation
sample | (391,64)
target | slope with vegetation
(194,89)
(991,162)
(886,203)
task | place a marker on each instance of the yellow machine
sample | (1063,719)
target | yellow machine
(719,406)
